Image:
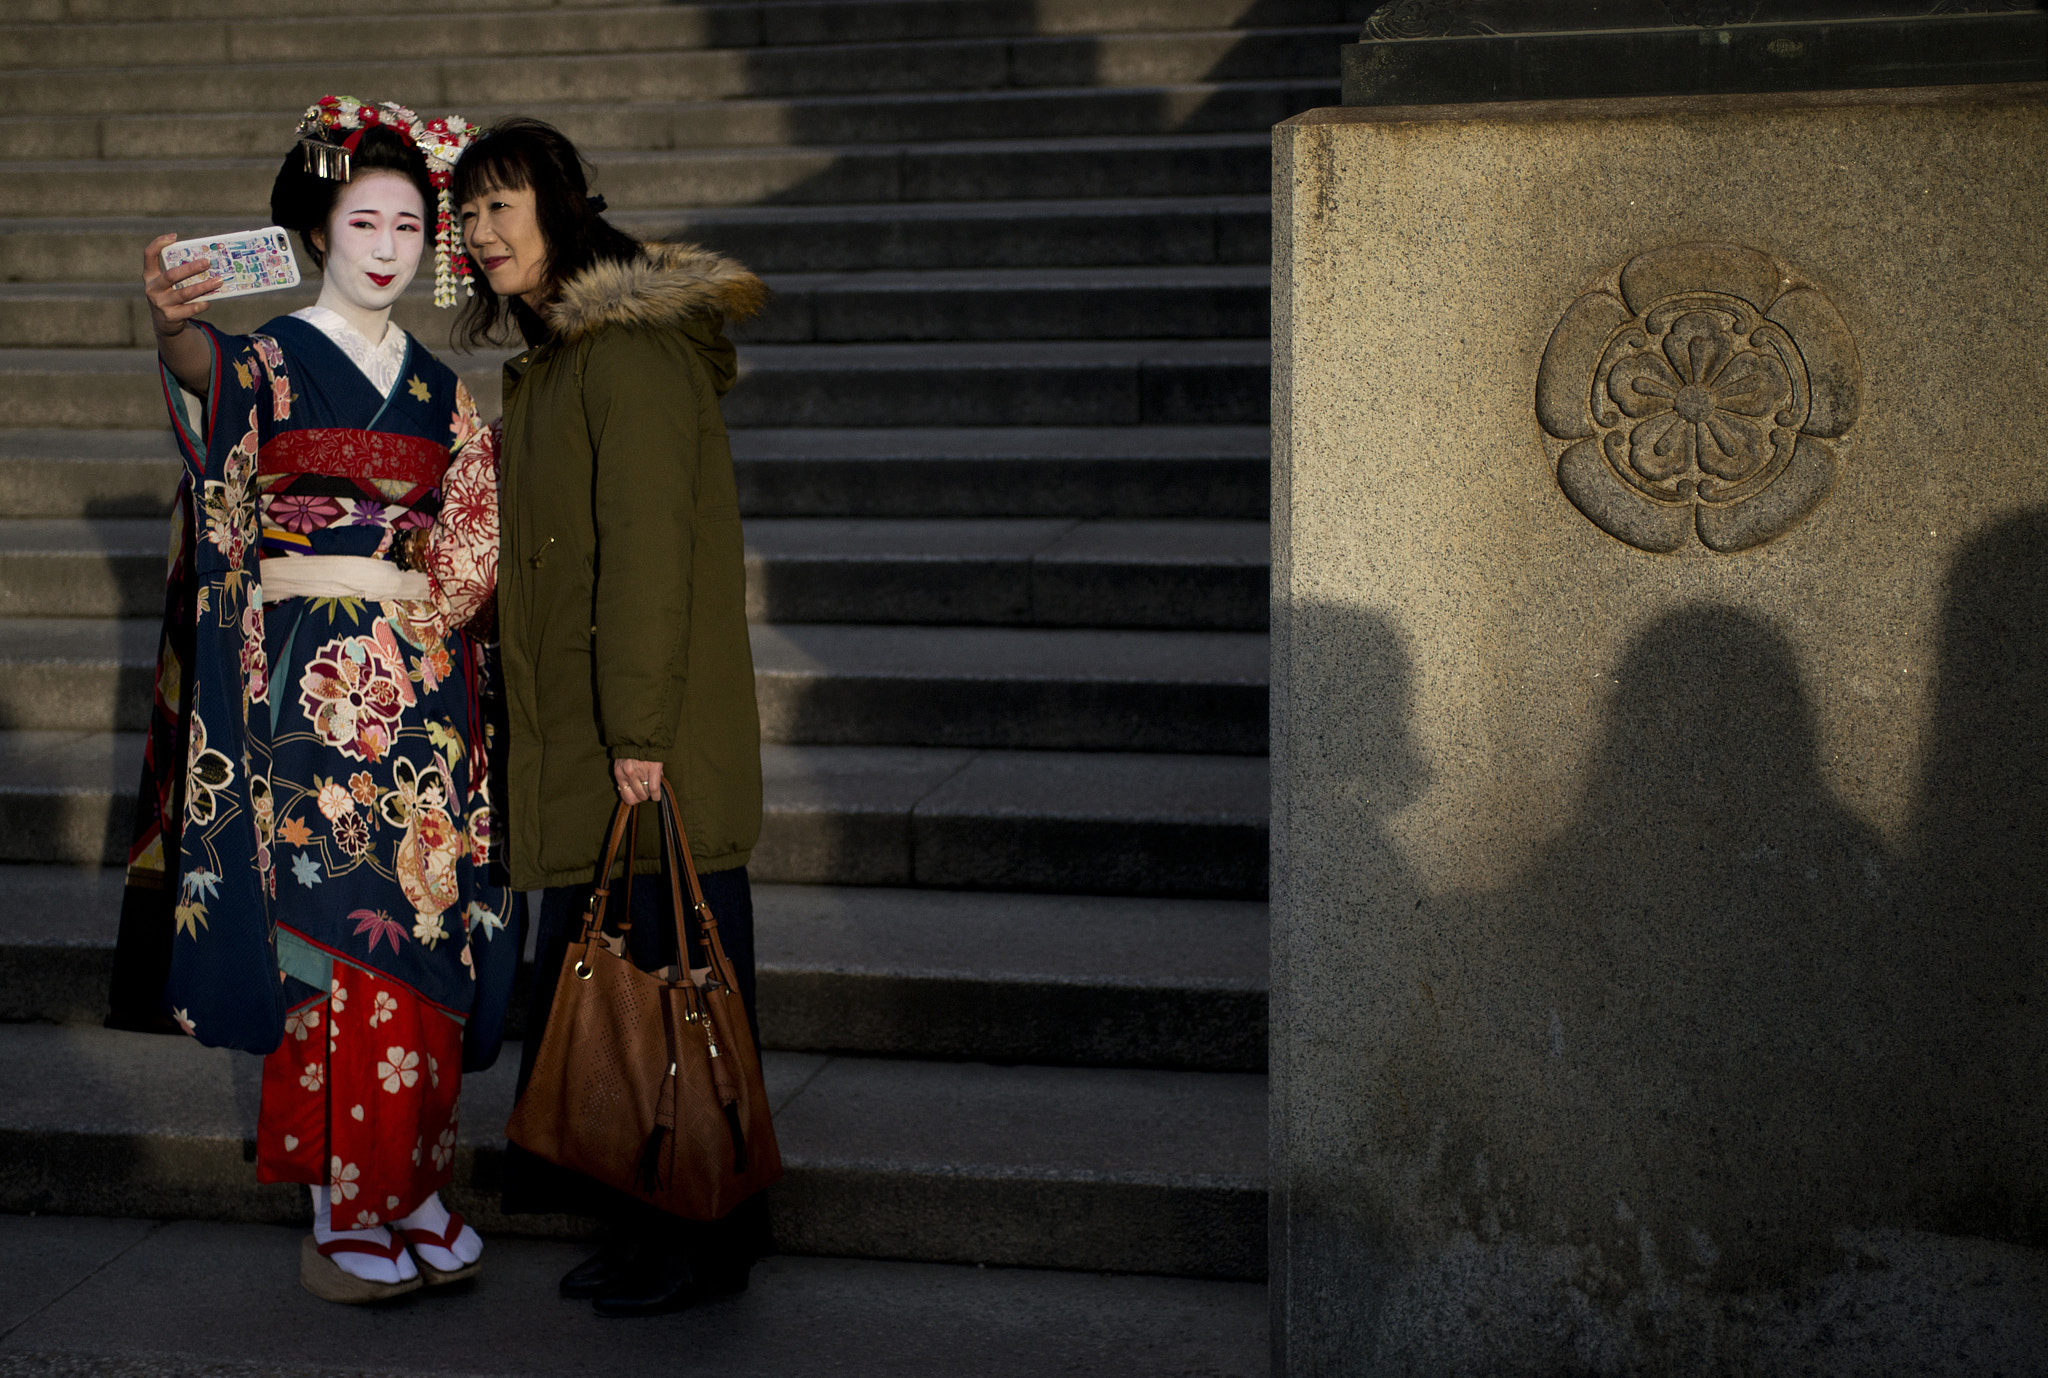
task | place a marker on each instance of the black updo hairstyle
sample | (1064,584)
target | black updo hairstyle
(302,200)
(521,153)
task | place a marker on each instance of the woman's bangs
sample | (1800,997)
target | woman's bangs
(490,165)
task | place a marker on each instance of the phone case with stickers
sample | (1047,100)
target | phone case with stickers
(252,261)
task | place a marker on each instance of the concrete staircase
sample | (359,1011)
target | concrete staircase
(1002,458)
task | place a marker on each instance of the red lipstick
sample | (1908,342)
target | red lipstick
(381,279)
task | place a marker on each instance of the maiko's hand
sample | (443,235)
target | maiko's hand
(639,782)
(177,295)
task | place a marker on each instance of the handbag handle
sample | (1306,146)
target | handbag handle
(681,867)
(684,867)
(600,890)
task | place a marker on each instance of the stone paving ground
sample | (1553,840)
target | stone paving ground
(190,1299)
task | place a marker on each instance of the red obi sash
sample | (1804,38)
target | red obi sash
(354,454)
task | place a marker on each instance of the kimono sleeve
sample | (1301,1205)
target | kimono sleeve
(248,372)
(462,549)
(223,985)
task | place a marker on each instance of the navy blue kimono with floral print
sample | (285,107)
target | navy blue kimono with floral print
(335,800)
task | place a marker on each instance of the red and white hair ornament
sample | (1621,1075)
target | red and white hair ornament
(332,127)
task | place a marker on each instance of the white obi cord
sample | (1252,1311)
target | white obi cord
(339,576)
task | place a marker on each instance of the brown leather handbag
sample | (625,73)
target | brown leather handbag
(649,1081)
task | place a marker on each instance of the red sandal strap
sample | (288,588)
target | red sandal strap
(445,1240)
(389,1250)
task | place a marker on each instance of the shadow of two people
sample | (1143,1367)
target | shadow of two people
(1718,1018)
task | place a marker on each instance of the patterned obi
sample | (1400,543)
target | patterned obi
(345,492)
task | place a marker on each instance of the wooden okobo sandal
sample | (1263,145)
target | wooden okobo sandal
(444,1241)
(329,1281)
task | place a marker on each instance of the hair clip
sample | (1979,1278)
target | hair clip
(327,160)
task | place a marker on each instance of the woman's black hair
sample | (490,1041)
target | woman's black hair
(302,200)
(521,153)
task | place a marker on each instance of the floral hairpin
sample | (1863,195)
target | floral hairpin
(440,142)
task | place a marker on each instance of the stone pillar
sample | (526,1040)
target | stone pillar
(1660,633)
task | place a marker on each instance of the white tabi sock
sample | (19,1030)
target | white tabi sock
(433,1217)
(369,1267)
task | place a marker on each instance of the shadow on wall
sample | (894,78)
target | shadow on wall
(1717,1022)
(1717,1025)
(1982,835)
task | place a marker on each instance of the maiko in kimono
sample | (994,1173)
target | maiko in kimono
(320,800)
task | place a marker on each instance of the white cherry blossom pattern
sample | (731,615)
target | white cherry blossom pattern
(314,1077)
(399,1068)
(335,801)
(387,1009)
(444,1149)
(302,1023)
(341,1179)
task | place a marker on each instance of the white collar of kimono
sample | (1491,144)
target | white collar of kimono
(379,362)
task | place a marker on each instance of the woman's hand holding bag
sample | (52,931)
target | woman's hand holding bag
(650,1082)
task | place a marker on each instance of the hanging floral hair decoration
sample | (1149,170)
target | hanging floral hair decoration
(332,127)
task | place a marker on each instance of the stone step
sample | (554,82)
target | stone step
(1096,1168)
(1004,471)
(435,85)
(1017,572)
(1175,302)
(382,26)
(216,39)
(975,383)
(1045,572)
(1077,690)
(1068,980)
(82,473)
(836,685)
(1165,165)
(773,239)
(1028,383)
(1076,822)
(100,1297)
(998,471)
(643,125)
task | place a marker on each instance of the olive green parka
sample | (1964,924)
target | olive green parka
(621,588)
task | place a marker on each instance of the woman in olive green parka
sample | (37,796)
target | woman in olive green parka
(614,445)
(622,624)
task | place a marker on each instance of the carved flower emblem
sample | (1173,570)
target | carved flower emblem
(1693,395)
(1704,399)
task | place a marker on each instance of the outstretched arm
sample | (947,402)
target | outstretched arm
(175,297)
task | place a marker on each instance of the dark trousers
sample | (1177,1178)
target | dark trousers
(536,1186)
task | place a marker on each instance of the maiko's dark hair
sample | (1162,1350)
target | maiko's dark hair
(529,154)
(302,200)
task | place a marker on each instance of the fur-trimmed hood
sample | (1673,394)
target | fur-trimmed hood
(670,287)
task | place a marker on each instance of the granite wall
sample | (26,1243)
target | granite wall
(1660,636)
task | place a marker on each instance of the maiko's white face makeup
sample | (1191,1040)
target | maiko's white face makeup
(373,242)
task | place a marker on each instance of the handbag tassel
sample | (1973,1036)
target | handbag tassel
(650,1175)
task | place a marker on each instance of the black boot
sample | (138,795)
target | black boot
(616,1264)
(663,1282)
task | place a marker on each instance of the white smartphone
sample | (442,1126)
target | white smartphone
(251,261)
